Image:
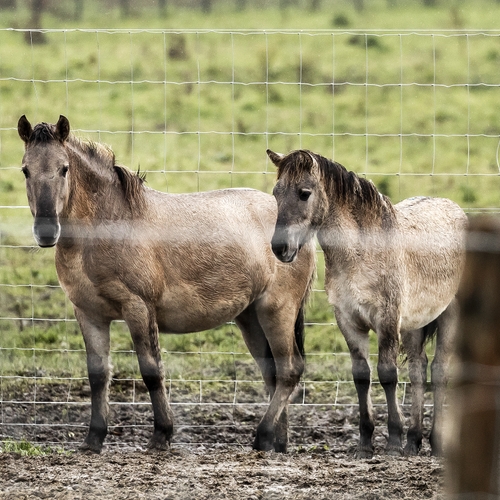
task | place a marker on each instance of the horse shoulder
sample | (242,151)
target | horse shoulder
(78,286)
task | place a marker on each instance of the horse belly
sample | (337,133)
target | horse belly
(182,311)
(421,312)
(429,292)
(208,296)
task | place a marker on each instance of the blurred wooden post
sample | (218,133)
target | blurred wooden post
(474,433)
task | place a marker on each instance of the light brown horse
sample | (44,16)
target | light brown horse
(393,269)
(164,263)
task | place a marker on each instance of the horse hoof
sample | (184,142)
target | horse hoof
(262,444)
(280,447)
(88,449)
(264,439)
(363,453)
(157,446)
(411,450)
(394,451)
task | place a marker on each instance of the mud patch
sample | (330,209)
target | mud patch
(210,457)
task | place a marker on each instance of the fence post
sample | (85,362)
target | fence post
(474,418)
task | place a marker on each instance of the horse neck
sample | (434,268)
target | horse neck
(355,219)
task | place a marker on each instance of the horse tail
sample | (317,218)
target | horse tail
(299,320)
(299,331)
(430,331)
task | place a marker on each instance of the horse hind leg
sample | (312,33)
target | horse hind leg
(144,330)
(447,325)
(414,347)
(281,324)
(97,343)
(259,348)
(388,349)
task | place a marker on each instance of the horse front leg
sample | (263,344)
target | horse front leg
(358,343)
(413,343)
(145,335)
(388,375)
(97,343)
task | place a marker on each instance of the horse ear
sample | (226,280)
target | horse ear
(24,129)
(275,157)
(62,128)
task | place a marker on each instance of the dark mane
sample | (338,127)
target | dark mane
(339,183)
(132,185)
(101,158)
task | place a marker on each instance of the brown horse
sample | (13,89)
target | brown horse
(393,269)
(163,263)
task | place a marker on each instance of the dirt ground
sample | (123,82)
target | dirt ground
(210,457)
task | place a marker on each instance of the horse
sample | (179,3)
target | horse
(392,269)
(169,263)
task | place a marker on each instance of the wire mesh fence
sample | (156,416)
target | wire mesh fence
(414,111)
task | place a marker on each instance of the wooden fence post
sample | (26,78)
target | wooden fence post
(473,434)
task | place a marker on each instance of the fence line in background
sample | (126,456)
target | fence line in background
(195,110)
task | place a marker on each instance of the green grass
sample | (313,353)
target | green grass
(27,449)
(196,110)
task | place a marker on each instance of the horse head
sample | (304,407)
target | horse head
(45,167)
(300,200)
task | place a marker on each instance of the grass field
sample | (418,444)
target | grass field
(405,96)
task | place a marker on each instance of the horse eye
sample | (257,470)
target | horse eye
(25,171)
(304,194)
(64,170)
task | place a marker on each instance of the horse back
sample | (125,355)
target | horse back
(432,242)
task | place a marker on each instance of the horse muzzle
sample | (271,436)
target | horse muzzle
(284,251)
(46,231)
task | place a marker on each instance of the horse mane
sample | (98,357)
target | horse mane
(339,183)
(102,160)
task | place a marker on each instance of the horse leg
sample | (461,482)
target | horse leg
(96,336)
(144,331)
(278,322)
(257,344)
(388,348)
(413,343)
(358,343)
(447,325)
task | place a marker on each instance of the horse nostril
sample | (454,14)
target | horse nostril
(278,250)
(282,252)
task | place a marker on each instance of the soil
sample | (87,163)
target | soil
(210,456)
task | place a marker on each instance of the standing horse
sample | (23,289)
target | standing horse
(163,263)
(394,269)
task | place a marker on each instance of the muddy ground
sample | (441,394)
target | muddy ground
(210,457)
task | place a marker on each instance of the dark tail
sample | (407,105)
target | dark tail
(299,331)
(430,331)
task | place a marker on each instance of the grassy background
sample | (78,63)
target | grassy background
(405,96)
